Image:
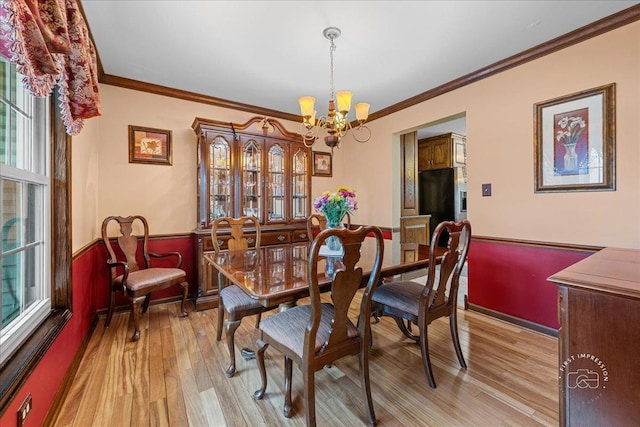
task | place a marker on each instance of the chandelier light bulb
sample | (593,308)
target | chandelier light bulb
(306,105)
(343,98)
(362,111)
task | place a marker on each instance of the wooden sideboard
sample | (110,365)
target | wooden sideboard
(599,364)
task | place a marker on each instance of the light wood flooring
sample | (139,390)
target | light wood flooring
(174,376)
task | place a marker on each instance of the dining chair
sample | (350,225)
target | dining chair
(232,300)
(319,333)
(414,303)
(133,280)
(317,222)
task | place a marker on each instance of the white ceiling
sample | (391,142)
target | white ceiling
(268,53)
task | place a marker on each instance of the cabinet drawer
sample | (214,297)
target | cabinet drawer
(275,238)
(207,244)
(300,236)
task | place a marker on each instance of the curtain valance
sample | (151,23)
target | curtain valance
(49,42)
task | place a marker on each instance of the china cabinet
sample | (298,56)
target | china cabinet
(253,169)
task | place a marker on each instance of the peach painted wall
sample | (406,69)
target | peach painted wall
(84,188)
(499,112)
(105,183)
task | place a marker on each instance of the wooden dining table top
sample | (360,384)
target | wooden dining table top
(278,274)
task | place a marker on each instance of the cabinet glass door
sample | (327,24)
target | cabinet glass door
(299,255)
(220,203)
(251,179)
(299,188)
(276,184)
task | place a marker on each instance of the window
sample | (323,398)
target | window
(25,200)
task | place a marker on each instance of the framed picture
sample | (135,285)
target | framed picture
(149,145)
(322,164)
(574,138)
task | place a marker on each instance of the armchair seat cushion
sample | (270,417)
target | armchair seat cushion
(288,327)
(236,300)
(403,296)
(150,277)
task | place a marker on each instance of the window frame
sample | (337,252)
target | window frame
(17,369)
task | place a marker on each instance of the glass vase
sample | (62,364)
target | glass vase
(333,242)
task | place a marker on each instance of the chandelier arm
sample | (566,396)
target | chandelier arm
(361,128)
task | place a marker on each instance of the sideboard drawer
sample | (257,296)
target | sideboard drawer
(299,236)
(275,238)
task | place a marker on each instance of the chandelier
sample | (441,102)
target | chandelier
(335,123)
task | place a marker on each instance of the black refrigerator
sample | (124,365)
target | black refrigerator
(437,197)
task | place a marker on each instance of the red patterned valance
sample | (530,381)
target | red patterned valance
(49,42)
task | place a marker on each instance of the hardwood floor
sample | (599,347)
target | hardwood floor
(174,376)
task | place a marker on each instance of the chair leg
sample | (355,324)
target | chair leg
(310,398)
(135,310)
(288,371)
(406,329)
(258,319)
(145,305)
(262,346)
(426,361)
(453,324)
(365,383)
(112,301)
(185,292)
(230,329)
(220,320)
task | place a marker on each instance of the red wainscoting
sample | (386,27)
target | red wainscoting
(511,278)
(90,293)
(48,376)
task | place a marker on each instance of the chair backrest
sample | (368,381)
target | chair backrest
(238,229)
(127,241)
(438,299)
(346,280)
(317,222)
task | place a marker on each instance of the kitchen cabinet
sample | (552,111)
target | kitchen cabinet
(253,169)
(415,229)
(599,368)
(441,152)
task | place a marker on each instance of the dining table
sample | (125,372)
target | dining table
(277,274)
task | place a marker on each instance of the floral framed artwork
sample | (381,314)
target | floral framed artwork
(149,145)
(574,138)
(322,165)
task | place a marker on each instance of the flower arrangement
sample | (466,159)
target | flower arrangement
(570,130)
(334,206)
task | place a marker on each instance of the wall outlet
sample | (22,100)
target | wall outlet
(486,190)
(24,410)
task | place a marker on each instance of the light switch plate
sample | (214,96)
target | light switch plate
(486,190)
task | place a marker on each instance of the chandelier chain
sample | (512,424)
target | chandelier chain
(332,47)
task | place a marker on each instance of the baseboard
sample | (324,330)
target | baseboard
(511,319)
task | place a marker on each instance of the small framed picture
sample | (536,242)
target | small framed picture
(322,164)
(574,138)
(149,145)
